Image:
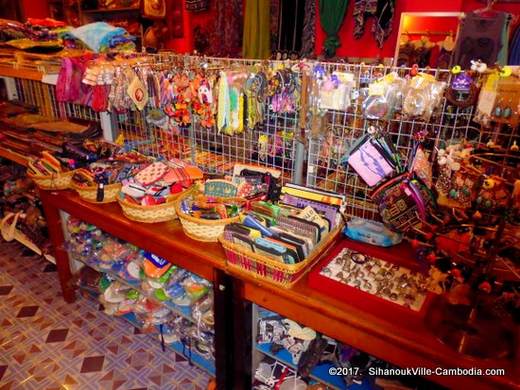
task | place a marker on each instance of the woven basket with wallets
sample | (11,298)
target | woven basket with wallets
(150,214)
(201,229)
(90,193)
(57,181)
(262,267)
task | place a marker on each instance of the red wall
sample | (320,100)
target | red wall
(192,19)
(35,9)
(366,46)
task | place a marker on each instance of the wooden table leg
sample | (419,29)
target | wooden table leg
(224,332)
(54,227)
(242,342)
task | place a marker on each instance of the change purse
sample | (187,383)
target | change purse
(402,202)
(373,159)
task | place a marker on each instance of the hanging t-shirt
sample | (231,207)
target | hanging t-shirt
(480,38)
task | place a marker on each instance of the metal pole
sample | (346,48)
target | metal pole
(299,161)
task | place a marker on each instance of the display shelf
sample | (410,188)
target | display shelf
(165,239)
(378,331)
(319,373)
(90,291)
(27,74)
(201,362)
(13,156)
(182,311)
(132,319)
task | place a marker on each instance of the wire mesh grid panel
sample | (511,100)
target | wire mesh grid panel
(505,135)
(271,143)
(150,139)
(42,96)
(326,166)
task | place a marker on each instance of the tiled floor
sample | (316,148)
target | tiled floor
(47,344)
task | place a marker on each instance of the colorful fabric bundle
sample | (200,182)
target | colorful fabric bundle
(101,36)
(383,13)
(152,184)
(46,165)
(11,29)
(69,87)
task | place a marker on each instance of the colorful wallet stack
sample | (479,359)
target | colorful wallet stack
(289,230)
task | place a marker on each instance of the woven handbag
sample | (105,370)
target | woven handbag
(402,202)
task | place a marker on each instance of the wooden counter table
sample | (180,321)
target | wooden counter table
(380,331)
(165,239)
(27,74)
(13,156)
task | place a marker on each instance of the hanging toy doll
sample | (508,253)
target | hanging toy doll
(202,105)
(263,146)
(204,93)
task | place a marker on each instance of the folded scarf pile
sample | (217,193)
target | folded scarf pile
(101,37)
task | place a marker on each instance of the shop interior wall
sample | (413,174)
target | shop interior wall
(40,9)
(35,8)
(203,19)
(364,47)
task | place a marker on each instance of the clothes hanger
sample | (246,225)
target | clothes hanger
(448,43)
(487,11)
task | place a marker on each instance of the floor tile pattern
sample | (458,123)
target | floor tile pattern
(47,344)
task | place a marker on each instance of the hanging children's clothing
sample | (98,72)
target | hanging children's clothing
(480,38)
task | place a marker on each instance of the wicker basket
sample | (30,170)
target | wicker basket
(150,214)
(261,267)
(202,229)
(59,181)
(90,193)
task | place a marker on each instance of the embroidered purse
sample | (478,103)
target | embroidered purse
(402,202)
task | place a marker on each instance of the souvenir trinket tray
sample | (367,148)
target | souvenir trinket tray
(364,275)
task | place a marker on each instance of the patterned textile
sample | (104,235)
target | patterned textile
(383,25)
(257,29)
(362,9)
(275,24)
(383,13)
(227,36)
(309,30)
